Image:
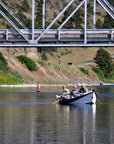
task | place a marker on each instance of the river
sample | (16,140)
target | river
(28,118)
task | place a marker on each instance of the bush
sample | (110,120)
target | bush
(44,57)
(99,73)
(101,76)
(84,70)
(41,63)
(8,79)
(3,63)
(31,65)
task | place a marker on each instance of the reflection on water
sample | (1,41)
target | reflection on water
(76,121)
(28,118)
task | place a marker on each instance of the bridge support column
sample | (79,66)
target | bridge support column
(58,34)
(33,10)
(43,16)
(85,30)
(94,15)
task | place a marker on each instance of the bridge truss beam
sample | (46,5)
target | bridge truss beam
(58,37)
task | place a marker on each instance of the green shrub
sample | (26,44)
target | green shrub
(44,57)
(3,67)
(31,65)
(3,63)
(41,63)
(84,70)
(50,65)
(101,76)
(99,73)
(8,79)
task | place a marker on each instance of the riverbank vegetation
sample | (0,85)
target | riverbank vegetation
(6,77)
(105,66)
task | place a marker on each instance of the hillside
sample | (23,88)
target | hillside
(23,10)
(51,71)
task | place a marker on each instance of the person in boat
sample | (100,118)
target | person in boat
(38,87)
(83,89)
(65,90)
(74,92)
(90,90)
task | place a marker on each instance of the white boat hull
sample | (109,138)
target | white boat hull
(89,98)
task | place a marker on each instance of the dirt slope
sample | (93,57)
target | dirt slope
(51,71)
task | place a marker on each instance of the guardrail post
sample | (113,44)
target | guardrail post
(58,34)
(112,35)
(6,35)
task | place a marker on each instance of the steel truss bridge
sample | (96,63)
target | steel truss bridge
(47,37)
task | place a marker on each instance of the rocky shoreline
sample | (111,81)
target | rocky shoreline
(42,84)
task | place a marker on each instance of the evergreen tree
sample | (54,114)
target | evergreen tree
(38,20)
(111,2)
(69,23)
(75,21)
(99,24)
(78,20)
(3,63)
(25,5)
(22,17)
(108,22)
(104,62)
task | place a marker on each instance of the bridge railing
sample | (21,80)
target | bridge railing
(46,35)
(65,35)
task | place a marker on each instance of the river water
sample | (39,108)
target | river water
(28,118)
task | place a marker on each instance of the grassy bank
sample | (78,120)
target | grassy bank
(9,79)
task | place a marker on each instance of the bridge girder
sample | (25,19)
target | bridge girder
(33,40)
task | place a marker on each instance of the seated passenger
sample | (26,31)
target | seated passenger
(74,92)
(65,90)
(83,89)
(90,90)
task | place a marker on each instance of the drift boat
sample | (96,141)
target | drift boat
(88,98)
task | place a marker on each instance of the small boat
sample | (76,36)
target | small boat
(88,98)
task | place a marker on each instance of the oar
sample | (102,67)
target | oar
(99,101)
(55,102)
(97,98)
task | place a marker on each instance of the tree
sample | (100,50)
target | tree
(25,5)
(111,2)
(99,24)
(3,63)
(38,19)
(24,19)
(104,62)
(108,22)
(69,23)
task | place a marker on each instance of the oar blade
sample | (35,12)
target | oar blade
(55,102)
(99,101)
